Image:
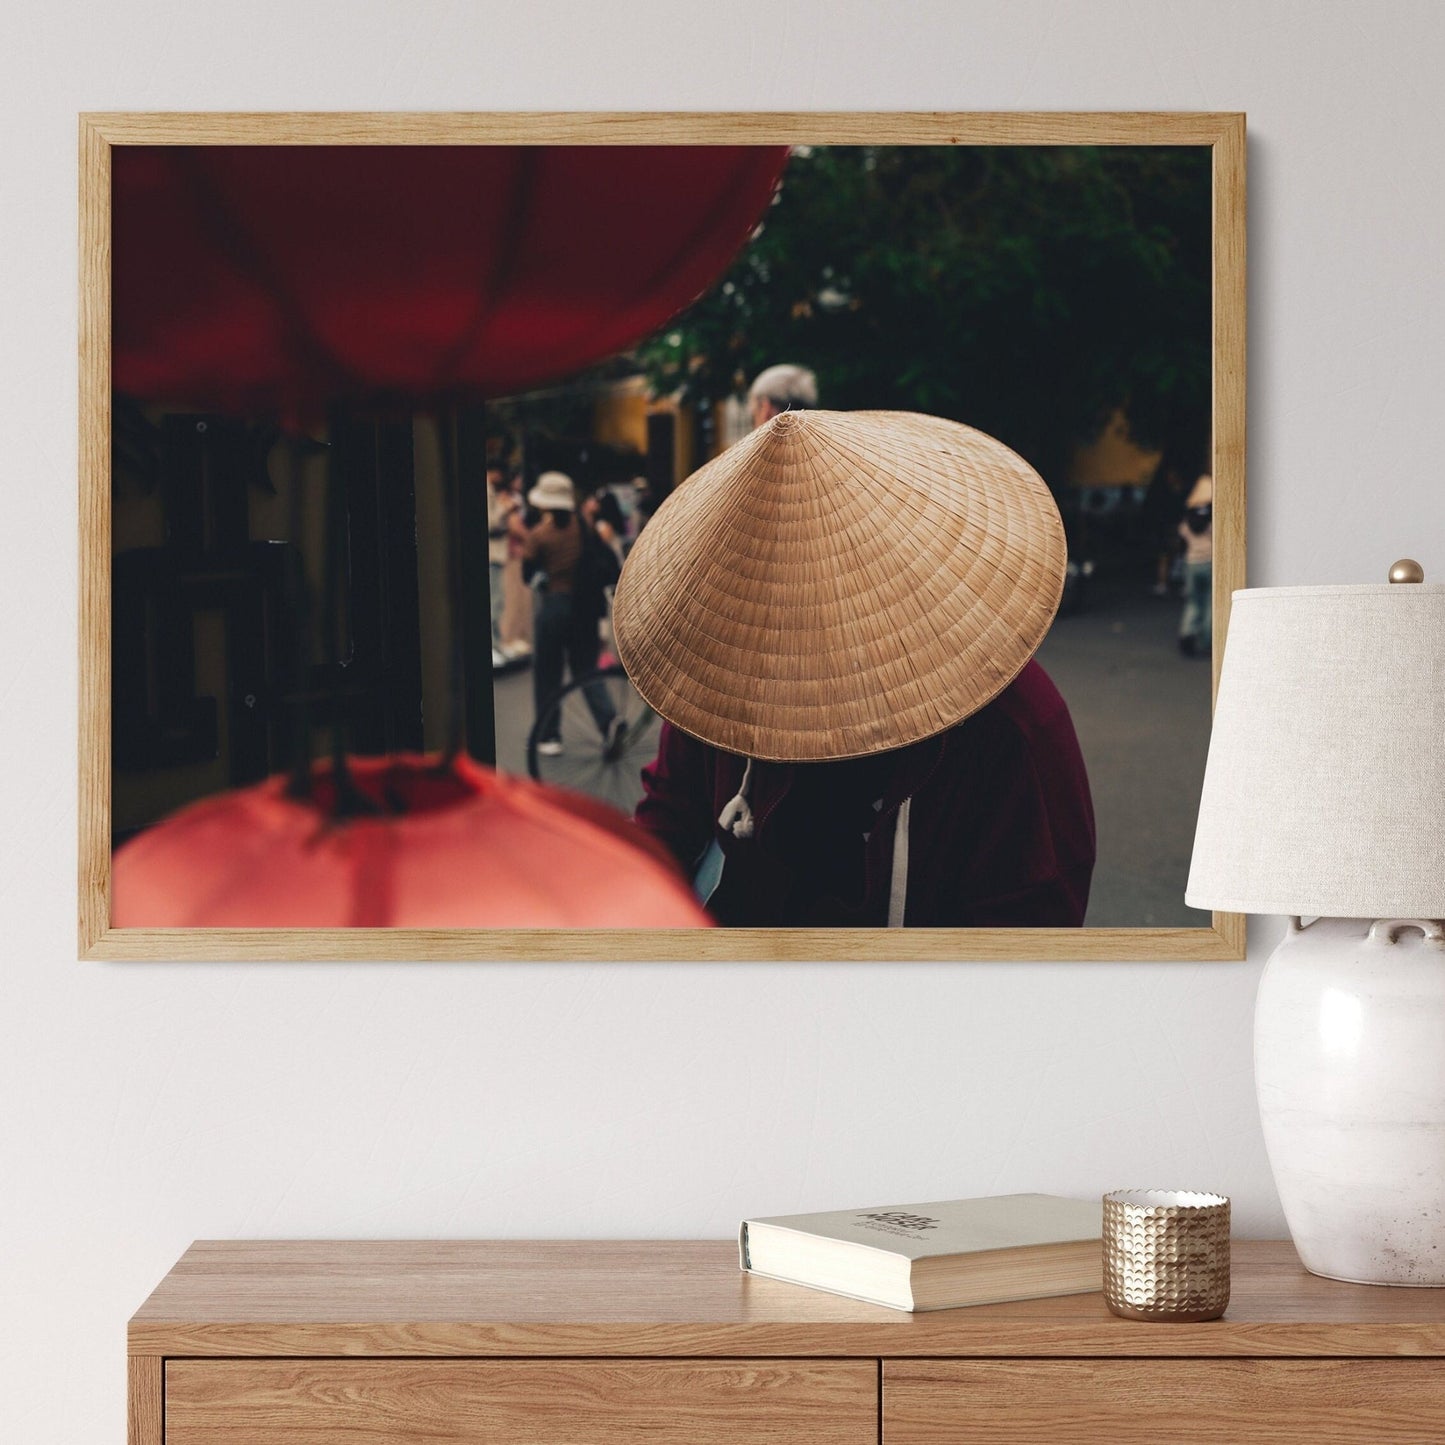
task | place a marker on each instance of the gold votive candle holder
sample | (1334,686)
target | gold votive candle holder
(1166,1254)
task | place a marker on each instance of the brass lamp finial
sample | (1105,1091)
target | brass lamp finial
(1407,570)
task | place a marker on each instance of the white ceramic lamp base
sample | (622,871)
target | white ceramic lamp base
(1349,1054)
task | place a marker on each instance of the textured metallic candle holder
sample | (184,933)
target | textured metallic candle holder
(1166,1254)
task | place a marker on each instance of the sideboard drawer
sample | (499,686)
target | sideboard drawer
(523,1402)
(1143,1401)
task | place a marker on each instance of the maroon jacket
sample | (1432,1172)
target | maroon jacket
(1000,825)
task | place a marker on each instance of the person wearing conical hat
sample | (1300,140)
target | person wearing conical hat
(836,618)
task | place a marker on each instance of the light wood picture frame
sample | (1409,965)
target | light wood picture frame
(100,134)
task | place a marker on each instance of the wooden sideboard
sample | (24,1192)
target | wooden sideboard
(591,1343)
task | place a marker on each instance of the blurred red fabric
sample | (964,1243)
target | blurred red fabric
(473,849)
(276,279)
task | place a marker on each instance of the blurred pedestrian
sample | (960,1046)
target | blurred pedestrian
(502,502)
(570,603)
(1159,516)
(1196,625)
(734,419)
(785,387)
(517,622)
(603,513)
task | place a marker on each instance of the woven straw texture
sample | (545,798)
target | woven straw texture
(1165,1259)
(840,583)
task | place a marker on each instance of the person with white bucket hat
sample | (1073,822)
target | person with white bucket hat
(566,619)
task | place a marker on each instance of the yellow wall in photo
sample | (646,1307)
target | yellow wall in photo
(1114,459)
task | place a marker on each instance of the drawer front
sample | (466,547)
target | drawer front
(1141,1402)
(527,1402)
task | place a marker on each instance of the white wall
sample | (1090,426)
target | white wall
(143,1106)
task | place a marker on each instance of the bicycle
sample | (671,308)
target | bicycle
(607,766)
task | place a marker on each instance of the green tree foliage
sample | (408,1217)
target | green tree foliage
(1025,290)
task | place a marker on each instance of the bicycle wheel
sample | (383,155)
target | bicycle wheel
(588,763)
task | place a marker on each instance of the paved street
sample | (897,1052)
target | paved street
(512,693)
(1142,714)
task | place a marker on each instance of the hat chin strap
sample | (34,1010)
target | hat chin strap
(737,816)
(898,885)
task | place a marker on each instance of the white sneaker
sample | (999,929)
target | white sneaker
(552,748)
(499,659)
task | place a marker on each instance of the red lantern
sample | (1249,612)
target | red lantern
(279,278)
(472,849)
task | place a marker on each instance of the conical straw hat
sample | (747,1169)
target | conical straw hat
(840,583)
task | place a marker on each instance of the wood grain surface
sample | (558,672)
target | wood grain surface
(1185,1402)
(447,1402)
(807,127)
(1224,939)
(1229,377)
(93,866)
(688,1298)
(145,1400)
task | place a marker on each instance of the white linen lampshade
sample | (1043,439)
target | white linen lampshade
(1324,793)
(1324,798)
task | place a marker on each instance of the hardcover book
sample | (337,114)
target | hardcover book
(935,1256)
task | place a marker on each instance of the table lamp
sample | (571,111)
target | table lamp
(1324,799)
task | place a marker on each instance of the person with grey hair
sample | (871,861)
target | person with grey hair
(781,388)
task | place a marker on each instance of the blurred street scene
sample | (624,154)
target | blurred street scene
(1057,299)
(1142,714)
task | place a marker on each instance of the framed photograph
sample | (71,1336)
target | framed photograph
(655,536)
